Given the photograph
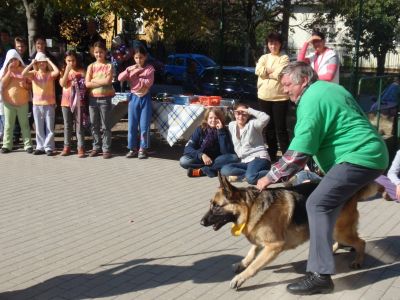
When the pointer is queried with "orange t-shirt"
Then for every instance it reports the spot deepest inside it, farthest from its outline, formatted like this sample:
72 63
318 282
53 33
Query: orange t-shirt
13 93
43 88
66 93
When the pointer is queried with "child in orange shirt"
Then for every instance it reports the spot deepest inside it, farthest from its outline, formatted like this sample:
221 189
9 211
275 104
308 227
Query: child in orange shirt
15 93
44 100
72 82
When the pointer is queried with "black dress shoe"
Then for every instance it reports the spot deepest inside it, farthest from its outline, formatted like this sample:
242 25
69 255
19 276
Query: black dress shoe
313 283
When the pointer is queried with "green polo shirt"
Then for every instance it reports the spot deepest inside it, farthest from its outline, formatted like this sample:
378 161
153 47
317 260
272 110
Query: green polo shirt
332 127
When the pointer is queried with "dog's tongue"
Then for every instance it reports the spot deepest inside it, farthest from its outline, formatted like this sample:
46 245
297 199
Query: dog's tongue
237 229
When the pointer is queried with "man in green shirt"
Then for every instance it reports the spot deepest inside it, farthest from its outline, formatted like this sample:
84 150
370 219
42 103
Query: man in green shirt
331 128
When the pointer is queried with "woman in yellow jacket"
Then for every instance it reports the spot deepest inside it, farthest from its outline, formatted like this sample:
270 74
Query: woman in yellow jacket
272 99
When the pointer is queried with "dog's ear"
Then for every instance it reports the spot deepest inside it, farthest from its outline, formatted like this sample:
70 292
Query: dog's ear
226 186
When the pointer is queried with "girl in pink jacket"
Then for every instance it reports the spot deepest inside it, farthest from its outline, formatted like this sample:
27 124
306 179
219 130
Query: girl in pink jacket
324 60
140 77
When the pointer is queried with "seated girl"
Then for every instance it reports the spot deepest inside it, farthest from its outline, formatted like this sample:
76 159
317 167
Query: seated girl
209 148
391 182
248 141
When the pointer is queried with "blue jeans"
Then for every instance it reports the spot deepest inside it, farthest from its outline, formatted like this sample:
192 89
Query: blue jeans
253 170
139 115
304 176
211 170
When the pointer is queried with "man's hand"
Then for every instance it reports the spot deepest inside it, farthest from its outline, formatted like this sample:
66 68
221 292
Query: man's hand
263 183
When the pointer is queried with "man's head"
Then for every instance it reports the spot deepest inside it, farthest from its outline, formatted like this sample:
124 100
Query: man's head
20 45
295 77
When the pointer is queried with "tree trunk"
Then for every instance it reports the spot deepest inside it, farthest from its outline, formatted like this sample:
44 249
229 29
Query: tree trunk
381 59
285 21
251 29
32 23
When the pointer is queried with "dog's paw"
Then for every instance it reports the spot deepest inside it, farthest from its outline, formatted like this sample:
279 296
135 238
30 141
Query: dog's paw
238 268
237 281
355 265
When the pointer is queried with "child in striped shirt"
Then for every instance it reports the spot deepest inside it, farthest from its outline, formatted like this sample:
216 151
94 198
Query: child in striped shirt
99 82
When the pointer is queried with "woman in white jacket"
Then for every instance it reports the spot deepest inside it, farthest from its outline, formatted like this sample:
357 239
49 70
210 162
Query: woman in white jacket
248 142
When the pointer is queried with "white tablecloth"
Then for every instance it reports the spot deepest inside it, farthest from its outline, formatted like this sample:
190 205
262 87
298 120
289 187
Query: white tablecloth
174 121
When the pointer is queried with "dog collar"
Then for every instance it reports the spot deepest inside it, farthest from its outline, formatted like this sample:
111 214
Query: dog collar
237 229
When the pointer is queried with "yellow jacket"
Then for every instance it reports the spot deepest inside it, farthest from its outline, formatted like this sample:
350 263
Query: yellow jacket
268 85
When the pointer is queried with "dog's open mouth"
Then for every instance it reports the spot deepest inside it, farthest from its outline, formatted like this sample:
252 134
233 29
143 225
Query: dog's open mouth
221 222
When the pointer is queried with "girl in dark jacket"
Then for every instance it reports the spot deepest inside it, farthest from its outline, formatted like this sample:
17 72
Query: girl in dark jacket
209 148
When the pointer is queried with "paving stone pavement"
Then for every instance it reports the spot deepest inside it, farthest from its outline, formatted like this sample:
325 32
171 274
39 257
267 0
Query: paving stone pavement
91 228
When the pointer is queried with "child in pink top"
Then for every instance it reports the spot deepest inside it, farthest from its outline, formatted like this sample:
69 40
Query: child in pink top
44 100
73 83
15 93
141 78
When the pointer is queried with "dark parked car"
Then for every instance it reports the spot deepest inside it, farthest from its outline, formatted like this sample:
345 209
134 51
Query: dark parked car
176 65
239 83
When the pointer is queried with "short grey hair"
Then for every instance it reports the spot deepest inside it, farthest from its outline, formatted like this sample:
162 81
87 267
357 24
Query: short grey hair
298 70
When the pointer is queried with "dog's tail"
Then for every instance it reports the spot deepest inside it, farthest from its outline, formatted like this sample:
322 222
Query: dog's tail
371 189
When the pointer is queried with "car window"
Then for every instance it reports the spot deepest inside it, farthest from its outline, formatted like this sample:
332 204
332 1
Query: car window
179 61
249 78
205 61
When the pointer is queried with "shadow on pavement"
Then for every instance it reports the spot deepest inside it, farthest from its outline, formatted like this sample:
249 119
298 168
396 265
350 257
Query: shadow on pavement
135 275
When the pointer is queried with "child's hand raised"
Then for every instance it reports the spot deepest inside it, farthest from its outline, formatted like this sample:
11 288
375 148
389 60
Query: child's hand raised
219 124
132 68
68 67
10 67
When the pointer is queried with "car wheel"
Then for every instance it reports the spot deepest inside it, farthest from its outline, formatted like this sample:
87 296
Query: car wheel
169 79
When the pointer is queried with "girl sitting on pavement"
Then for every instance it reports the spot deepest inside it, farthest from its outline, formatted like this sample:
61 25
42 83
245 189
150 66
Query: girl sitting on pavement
73 83
15 92
248 141
44 100
209 148
141 78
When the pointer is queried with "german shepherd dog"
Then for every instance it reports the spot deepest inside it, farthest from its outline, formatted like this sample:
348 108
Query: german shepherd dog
275 220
